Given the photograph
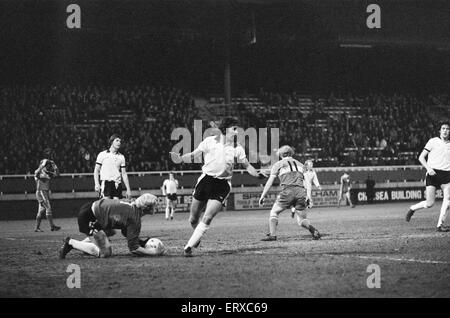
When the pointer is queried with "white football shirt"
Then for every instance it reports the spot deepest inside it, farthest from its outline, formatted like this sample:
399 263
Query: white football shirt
219 158
439 154
170 186
111 165
310 177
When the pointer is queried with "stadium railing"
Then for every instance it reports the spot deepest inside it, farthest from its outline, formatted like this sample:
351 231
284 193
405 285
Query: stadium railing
81 185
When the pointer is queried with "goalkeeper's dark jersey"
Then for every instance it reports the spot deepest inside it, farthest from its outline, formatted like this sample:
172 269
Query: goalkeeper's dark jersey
120 214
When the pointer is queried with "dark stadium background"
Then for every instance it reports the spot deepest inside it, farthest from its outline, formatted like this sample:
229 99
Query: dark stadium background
184 43
312 68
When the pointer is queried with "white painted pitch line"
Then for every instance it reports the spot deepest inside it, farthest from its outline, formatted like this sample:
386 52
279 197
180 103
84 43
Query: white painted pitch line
23 239
395 259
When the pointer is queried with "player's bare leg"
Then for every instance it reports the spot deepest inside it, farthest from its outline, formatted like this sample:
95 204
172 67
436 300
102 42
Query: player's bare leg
303 221
172 208
167 208
39 216
444 209
49 215
212 208
426 204
53 227
341 197
195 212
347 197
273 222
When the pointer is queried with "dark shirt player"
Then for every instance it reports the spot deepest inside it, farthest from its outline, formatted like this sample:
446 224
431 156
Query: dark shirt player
102 217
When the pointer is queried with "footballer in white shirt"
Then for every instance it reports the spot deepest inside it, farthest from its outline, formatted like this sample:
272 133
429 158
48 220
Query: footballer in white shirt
214 185
435 157
169 190
110 171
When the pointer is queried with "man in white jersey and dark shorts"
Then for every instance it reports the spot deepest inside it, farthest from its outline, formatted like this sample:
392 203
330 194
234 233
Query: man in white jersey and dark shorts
438 175
214 185
293 193
310 176
169 190
110 171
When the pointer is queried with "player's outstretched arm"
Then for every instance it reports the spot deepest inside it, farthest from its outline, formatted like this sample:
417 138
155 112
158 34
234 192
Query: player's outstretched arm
183 158
266 188
252 171
142 251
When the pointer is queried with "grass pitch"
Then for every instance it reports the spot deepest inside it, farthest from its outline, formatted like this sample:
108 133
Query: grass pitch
232 262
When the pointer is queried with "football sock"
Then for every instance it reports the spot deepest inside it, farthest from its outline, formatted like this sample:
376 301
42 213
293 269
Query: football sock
273 223
420 205
167 212
38 222
444 211
199 231
311 229
89 248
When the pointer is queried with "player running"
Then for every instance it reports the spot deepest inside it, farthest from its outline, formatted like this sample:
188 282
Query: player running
435 157
42 175
214 185
344 190
99 219
169 190
293 193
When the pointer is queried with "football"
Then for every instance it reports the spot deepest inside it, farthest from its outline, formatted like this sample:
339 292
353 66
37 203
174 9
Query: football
155 246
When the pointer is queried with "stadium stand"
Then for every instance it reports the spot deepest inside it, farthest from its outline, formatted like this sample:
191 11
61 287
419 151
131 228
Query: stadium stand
76 122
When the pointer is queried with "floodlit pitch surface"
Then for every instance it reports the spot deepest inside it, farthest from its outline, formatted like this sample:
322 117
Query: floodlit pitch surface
231 261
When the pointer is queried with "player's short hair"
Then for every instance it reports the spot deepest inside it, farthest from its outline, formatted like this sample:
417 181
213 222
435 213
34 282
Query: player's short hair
228 122
48 152
147 200
309 161
114 137
442 123
285 151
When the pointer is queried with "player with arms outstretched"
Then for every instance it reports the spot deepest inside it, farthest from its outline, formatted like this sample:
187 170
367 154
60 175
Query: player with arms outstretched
435 157
293 193
44 173
214 185
169 190
99 219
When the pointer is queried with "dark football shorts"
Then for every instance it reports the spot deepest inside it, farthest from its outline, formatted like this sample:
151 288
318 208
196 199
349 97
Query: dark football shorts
292 197
86 219
210 188
441 177
172 196
110 190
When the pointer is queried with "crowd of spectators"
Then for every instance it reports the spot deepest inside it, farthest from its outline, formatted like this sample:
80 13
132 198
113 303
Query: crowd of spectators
374 129
63 118
60 117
